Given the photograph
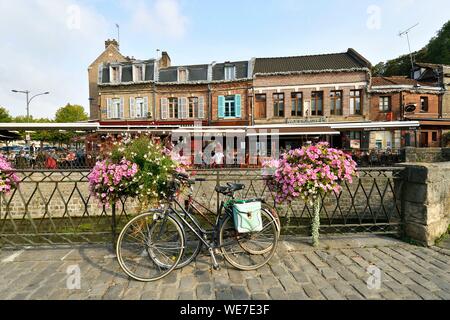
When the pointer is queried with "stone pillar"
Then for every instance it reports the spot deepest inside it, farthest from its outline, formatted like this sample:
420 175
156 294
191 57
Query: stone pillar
426 201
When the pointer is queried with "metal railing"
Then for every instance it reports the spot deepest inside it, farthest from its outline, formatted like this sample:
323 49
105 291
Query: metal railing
55 207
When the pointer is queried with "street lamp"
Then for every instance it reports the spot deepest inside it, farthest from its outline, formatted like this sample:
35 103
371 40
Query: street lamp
27 92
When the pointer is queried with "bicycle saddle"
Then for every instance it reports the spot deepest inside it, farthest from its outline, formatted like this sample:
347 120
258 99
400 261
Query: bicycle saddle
236 186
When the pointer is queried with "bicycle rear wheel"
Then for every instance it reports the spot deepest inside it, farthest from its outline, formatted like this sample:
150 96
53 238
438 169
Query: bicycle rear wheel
149 248
249 251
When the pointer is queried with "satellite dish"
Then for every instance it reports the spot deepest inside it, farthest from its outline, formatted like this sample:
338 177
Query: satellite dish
410 108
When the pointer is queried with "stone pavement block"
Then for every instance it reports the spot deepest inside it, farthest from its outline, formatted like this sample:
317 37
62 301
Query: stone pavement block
150 295
298 296
204 291
114 292
300 276
423 282
365 291
187 283
315 260
312 292
289 284
344 288
168 292
240 293
224 294
260 296
329 274
236 276
186 295
255 285
331 293
422 292
278 294
279 270
270 281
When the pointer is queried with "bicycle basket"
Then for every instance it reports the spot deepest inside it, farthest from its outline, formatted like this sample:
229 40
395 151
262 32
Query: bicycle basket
247 217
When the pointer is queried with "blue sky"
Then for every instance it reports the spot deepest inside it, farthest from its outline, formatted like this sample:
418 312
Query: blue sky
47 45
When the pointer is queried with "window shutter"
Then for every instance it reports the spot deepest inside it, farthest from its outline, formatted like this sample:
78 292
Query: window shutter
132 108
164 108
100 73
201 108
146 113
238 103
221 106
108 108
184 107
121 115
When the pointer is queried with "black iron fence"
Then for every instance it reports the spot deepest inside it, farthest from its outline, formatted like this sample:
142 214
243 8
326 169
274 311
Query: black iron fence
55 207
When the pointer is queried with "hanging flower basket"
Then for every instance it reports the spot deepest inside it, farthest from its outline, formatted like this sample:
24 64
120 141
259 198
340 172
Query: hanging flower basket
136 168
8 179
310 173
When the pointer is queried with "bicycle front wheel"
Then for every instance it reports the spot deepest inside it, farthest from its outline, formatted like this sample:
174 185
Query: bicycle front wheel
150 247
249 251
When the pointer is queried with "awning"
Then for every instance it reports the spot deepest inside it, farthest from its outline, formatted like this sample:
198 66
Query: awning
293 131
376 126
82 126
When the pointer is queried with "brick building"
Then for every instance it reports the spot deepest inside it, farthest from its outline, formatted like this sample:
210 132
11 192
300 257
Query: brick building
403 99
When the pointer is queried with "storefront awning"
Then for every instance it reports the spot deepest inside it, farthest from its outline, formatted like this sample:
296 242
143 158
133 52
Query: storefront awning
293 131
377 126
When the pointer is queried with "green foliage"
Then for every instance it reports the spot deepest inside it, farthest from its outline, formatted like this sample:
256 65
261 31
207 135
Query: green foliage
71 113
4 115
155 166
437 51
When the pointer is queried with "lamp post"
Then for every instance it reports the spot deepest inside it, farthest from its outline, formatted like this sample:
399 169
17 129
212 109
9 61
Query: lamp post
27 93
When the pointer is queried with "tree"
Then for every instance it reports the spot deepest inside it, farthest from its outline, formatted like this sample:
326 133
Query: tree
71 113
4 115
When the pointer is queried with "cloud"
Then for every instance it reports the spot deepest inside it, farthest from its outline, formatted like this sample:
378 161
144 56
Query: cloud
162 17
46 46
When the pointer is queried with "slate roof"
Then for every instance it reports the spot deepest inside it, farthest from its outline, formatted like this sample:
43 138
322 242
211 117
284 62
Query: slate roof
127 71
241 70
195 73
335 61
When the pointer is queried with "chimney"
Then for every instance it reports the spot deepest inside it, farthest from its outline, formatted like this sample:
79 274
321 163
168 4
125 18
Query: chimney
111 42
165 61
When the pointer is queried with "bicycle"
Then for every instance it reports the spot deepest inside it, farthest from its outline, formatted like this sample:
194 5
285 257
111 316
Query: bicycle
161 240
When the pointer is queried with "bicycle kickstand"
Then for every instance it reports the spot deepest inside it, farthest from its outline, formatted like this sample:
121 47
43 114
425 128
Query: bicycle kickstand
216 265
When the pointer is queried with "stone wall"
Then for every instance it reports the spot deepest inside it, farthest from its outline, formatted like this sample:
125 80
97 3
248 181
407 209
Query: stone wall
426 201
426 155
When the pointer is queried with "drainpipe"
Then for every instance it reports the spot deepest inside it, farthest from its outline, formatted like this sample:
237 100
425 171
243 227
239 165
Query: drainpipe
154 101
209 105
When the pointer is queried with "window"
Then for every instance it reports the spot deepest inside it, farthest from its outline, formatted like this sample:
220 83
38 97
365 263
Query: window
355 102
193 107
230 73
317 103
138 73
297 104
260 106
336 103
434 136
173 108
115 74
182 75
115 108
139 108
278 104
385 104
230 107
424 104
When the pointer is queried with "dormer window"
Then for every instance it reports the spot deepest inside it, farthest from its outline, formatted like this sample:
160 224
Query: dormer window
115 74
182 75
138 73
230 72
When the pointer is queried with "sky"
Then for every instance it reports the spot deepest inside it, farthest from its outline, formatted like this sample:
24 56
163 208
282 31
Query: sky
47 45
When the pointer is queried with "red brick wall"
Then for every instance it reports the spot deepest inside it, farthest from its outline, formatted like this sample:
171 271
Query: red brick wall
225 89
408 98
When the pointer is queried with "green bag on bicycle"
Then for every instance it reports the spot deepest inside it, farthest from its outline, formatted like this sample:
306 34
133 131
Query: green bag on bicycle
247 217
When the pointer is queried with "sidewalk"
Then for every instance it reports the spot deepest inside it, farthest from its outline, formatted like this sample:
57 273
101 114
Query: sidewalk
338 270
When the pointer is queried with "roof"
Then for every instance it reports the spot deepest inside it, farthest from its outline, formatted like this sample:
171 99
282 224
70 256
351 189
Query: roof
397 81
195 73
241 70
127 70
335 61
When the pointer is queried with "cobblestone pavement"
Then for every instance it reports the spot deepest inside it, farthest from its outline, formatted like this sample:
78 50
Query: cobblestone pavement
338 270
